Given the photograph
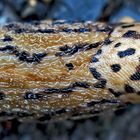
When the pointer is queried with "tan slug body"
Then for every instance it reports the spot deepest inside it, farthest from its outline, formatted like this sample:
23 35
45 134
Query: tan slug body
57 70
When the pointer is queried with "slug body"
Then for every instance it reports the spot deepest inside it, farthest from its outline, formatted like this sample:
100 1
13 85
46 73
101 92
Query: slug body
58 70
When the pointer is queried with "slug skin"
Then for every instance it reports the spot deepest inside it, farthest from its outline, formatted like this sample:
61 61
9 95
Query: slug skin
59 70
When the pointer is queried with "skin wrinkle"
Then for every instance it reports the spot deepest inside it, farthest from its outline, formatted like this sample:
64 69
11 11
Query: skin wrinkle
58 70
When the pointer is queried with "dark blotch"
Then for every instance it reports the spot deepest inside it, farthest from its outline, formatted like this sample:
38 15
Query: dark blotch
132 34
99 52
94 59
135 76
116 94
64 48
67 89
95 73
129 89
81 30
7 48
129 33
100 84
128 52
107 41
117 45
31 95
70 66
128 26
67 30
81 84
23 55
69 50
7 38
91 46
46 31
103 101
115 67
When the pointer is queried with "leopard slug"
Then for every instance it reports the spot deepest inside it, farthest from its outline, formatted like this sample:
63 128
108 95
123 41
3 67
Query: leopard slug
55 70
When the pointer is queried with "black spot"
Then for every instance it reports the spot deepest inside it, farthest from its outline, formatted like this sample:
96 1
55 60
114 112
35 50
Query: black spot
95 73
99 52
135 76
115 67
94 60
64 48
36 57
7 38
22 56
70 66
128 26
129 89
31 95
129 33
100 84
69 50
107 41
128 52
117 45
116 94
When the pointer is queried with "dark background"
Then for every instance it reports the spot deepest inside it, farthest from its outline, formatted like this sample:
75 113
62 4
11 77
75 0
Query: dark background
123 124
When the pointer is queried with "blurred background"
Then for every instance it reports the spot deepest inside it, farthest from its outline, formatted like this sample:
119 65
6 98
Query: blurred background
123 124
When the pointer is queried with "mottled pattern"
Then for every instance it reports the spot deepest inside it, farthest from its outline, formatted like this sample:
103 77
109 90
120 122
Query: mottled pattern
61 70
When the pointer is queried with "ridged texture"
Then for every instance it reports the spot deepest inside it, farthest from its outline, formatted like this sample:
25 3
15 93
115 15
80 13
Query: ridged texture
55 70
